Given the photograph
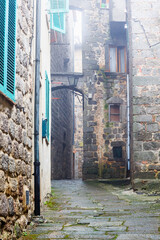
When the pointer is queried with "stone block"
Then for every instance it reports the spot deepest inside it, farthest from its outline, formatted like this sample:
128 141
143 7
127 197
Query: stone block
4 162
143 136
153 127
154 167
13 186
11 210
3 205
11 165
18 166
145 80
145 156
2 181
137 146
151 146
156 136
144 175
142 118
138 127
89 129
15 150
12 129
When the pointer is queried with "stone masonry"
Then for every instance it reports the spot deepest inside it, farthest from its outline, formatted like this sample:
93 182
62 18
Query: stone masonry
103 89
62 135
16 123
145 76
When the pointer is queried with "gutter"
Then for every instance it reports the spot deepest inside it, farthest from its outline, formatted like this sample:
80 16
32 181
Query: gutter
36 111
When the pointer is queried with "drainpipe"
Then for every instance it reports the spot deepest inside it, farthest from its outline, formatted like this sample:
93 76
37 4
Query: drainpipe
36 112
128 96
128 124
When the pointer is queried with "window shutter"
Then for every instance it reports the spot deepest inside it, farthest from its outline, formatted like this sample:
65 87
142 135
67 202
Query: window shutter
59 6
57 22
11 49
7 47
2 42
47 103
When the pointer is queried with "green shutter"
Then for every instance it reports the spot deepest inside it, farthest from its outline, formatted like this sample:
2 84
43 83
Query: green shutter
57 22
7 47
47 102
11 49
2 42
59 6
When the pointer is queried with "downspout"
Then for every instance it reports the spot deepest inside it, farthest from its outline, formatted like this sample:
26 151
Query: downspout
128 125
36 111
128 98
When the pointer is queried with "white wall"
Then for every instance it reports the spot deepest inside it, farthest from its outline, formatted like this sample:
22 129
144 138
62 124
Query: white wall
45 147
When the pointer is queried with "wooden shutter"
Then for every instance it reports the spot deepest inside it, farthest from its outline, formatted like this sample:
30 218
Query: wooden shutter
3 22
59 6
114 113
10 88
57 22
47 102
7 47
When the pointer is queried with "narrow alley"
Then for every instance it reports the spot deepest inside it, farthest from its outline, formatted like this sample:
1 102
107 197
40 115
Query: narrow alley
94 210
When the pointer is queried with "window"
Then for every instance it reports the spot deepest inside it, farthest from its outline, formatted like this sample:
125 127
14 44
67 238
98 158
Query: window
115 113
7 47
117 152
58 9
117 59
47 104
104 3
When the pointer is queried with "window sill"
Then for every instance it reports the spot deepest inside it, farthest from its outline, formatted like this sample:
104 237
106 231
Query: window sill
5 98
114 73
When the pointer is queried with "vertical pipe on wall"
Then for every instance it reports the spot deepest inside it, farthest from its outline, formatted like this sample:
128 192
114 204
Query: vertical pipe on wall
36 111
128 124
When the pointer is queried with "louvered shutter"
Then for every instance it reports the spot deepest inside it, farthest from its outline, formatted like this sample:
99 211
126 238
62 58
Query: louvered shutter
57 22
47 102
7 47
2 43
10 88
59 6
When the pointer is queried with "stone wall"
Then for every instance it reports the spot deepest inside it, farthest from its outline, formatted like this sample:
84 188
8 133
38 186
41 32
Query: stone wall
101 135
144 59
78 137
62 135
16 135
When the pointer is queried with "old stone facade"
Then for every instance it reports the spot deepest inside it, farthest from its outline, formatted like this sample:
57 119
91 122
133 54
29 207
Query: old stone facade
145 82
62 134
105 138
16 124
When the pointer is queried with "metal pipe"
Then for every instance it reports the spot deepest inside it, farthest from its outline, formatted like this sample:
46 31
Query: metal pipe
128 123
36 111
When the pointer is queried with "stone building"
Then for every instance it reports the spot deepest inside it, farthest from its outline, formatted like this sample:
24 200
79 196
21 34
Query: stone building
17 77
120 53
144 45
64 121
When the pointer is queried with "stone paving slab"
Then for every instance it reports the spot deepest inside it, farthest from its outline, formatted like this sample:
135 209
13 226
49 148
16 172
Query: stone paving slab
99 211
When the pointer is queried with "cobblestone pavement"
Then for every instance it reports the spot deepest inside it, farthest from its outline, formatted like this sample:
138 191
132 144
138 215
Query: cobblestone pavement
93 210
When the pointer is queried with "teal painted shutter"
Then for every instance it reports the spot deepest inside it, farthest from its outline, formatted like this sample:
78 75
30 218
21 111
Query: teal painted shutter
59 6
2 42
57 22
7 47
11 49
47 103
